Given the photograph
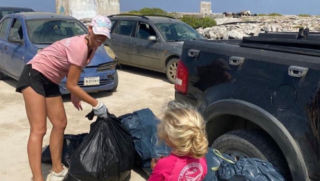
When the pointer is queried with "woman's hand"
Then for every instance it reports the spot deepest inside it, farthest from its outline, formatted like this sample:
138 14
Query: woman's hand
76 102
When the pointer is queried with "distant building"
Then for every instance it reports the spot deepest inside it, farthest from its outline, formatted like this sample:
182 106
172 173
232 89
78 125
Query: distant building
205 8
81 9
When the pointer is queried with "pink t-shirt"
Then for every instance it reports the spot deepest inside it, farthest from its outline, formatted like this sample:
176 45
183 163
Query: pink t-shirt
54 61
176 168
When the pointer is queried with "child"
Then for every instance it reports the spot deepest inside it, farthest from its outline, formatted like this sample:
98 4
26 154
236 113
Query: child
183 130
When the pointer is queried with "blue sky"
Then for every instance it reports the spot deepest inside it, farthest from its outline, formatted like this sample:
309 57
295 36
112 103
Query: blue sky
255 6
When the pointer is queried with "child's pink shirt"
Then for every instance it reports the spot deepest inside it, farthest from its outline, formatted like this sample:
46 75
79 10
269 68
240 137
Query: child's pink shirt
54 61
176 168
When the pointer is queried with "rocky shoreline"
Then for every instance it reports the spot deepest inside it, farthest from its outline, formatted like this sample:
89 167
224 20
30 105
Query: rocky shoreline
237 28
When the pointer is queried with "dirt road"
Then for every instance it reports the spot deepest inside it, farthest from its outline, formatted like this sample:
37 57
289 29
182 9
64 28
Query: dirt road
137 89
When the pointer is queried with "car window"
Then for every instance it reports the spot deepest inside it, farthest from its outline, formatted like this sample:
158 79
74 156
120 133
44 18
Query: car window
125 27
47 31
16 30
178 32
4 26
144 30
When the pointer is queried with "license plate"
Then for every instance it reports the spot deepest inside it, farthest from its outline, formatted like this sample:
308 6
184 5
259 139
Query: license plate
89 81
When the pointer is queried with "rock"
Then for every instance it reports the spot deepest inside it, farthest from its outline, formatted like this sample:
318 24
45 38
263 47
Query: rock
240 28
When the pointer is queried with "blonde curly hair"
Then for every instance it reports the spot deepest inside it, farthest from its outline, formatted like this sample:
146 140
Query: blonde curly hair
183 129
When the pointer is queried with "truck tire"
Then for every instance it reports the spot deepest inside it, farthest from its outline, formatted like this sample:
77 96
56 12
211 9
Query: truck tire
171 69
2 75
252 144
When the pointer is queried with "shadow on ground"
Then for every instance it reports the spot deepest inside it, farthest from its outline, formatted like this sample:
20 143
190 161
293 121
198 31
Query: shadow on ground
143 72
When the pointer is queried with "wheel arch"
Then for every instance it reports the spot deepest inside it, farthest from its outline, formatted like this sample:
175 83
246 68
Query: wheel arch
168 59
230 108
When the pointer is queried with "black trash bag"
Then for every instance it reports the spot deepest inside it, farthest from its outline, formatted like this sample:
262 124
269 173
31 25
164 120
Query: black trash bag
214 159
142 125
107 153
249 169
70 143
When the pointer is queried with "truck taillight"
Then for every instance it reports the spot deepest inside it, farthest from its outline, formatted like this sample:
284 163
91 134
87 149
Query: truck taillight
181 84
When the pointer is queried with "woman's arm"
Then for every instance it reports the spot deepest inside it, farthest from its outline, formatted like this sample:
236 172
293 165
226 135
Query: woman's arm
73 87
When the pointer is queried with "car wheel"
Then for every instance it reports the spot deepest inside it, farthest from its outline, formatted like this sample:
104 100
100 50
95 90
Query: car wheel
116 82
252 144
171 69
2 75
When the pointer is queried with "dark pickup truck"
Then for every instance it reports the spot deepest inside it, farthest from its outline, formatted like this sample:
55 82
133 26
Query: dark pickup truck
260 97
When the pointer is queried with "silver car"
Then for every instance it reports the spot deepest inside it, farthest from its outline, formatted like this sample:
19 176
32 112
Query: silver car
150 42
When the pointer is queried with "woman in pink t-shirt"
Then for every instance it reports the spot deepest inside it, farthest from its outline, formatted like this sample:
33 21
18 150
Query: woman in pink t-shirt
183 130
39 84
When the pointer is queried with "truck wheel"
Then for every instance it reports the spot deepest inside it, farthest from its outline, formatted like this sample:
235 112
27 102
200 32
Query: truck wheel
116 82
1 76
171 69
252 144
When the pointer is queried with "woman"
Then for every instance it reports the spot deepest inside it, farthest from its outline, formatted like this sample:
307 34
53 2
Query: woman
39 84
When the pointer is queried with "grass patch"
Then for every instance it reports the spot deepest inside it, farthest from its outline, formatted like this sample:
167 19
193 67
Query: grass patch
304 15
274 14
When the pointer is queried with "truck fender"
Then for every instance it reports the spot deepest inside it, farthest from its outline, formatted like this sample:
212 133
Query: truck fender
268 123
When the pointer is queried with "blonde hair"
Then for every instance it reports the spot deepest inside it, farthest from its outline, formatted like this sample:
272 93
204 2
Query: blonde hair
183 129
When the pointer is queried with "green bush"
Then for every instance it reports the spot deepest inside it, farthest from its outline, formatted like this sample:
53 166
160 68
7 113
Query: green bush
150 11
298 26
193 21
262 15
304 15
196 22
274 14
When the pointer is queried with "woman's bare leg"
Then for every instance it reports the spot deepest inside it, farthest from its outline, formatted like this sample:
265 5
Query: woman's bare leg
36 111
58 118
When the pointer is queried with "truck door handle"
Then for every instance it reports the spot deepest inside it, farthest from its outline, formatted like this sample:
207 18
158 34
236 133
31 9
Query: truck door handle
5 47
236 61
193 53
295 71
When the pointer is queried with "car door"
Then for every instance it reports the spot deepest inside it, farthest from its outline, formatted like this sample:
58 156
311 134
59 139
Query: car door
14 54
146 53
121 40
4 26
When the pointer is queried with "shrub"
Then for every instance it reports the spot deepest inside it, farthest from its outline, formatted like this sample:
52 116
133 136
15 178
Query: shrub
196 22
150 11
304 15
274 14
193 21
298 26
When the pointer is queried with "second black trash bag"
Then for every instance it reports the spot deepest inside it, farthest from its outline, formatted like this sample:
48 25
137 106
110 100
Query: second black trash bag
107 153
142 125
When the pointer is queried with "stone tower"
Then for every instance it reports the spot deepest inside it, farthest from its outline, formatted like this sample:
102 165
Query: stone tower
81 9
205 8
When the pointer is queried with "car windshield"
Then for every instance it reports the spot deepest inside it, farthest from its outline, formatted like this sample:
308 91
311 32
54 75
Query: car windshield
47 31
178 32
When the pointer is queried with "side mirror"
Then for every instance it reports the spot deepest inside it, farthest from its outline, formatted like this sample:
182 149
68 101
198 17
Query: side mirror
152 38
13 39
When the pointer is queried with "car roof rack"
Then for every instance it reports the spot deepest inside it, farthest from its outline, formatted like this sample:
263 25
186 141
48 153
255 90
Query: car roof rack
143 16
303 42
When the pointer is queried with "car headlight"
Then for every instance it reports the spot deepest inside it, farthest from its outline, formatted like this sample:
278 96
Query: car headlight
107 66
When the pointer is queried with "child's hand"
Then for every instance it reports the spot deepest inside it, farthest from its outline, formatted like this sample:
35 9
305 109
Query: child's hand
154 162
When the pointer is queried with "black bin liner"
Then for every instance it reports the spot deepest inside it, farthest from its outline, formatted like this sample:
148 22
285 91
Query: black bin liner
107 153
214 159
70 144
249 169
142 125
